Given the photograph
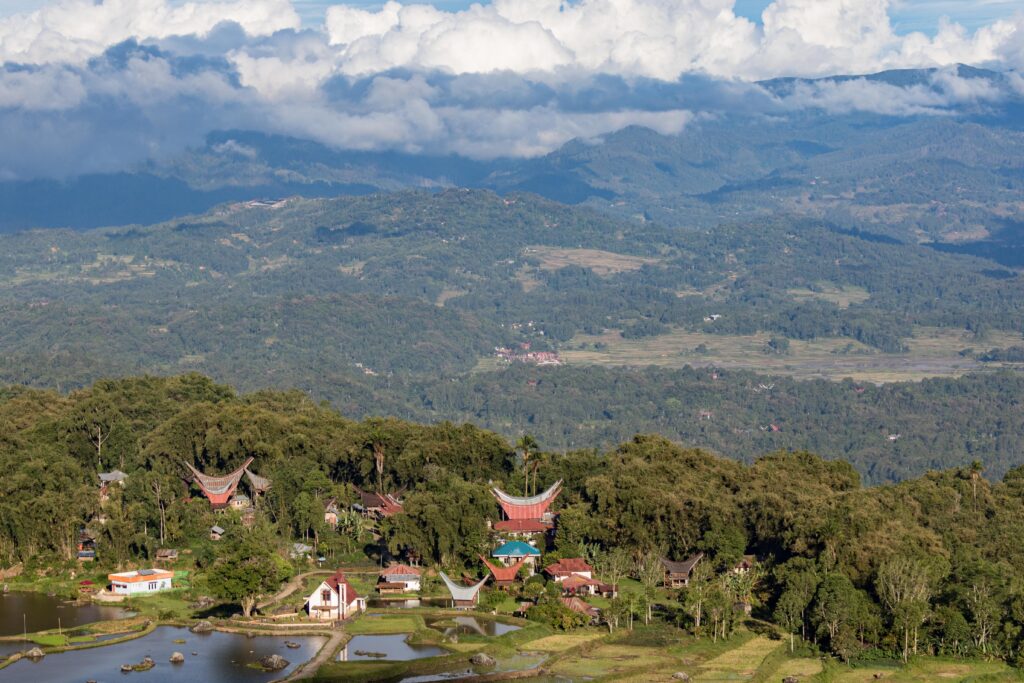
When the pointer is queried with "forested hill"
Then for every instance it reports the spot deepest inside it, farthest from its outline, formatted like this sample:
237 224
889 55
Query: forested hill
394 304
832 553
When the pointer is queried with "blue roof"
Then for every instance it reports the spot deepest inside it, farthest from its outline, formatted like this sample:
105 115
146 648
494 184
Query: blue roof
516 549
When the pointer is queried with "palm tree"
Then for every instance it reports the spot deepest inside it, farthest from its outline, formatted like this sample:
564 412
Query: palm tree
526 445
976 469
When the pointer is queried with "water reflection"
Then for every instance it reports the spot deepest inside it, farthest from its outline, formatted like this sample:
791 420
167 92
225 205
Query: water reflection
220 657
465 626
38 612
386 647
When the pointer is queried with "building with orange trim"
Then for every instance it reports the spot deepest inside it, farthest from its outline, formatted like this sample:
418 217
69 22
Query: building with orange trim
141 582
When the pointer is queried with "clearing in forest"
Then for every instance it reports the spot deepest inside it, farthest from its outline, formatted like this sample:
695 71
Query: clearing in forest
601 262
932 352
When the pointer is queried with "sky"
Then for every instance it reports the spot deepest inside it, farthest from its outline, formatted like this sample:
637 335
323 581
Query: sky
906 15
89 86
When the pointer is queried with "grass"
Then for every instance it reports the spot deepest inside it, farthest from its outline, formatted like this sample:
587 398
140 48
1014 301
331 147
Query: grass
563 641
741 663
922 669
841 296
932 352
386 624
603 263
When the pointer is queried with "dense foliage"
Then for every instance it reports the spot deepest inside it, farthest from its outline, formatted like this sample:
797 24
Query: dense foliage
385 304
929 565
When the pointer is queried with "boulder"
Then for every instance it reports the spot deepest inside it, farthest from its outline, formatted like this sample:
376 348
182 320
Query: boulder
273 662
680 676
482 659
35 653
790 679
127 668
202 627
177 658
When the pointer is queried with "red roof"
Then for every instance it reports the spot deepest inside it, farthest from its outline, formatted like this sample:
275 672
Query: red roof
522 525
577 605
577 581
568 566
504 573
402 570
339 580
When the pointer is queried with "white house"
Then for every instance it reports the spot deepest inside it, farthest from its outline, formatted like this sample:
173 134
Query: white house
141 582
335 599
399 578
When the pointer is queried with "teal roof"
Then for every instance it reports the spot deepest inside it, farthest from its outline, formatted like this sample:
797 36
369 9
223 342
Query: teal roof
516 549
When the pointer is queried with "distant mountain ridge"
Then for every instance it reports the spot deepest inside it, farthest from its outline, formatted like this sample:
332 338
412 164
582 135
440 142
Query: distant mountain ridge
737 163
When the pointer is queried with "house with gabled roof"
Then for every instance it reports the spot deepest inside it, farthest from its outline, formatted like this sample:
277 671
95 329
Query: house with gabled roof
513 551
399 578
335 600
569 566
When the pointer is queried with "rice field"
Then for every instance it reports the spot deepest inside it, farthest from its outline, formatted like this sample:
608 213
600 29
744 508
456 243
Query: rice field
933 352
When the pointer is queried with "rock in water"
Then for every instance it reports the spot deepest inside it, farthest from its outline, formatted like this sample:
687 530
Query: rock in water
126 668
202 627
482 659
35 653
177 658
291 646
273 662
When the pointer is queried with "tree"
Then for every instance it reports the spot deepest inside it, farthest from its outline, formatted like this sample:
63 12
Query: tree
976 469
696 593
248 571
649 571
789 613
905 585
526 446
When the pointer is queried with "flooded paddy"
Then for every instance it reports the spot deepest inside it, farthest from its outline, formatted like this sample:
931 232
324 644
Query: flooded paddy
221 657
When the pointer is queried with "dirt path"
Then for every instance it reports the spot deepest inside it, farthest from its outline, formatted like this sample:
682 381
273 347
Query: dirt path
310 667
293 585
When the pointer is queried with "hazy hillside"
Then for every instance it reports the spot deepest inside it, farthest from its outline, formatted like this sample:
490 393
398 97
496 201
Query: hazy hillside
394 303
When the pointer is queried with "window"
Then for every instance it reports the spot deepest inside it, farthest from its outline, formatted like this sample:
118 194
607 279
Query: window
325 595
152 585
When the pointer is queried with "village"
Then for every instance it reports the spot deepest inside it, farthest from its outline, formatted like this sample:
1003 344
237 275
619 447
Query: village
522 534
522 584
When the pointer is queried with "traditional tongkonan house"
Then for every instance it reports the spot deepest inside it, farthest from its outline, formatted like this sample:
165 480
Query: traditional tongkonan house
677 574
463 597
259 485
218 489
526 515
504 577
335 599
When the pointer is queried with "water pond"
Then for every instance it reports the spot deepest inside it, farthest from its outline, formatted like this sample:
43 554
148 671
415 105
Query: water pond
20 611
465 626
220 657
407 603
392 647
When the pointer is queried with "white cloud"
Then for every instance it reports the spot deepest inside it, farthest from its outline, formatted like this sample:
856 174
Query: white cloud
515 77
75 30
